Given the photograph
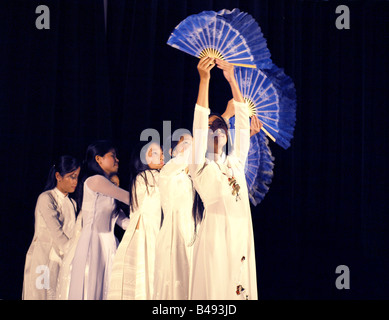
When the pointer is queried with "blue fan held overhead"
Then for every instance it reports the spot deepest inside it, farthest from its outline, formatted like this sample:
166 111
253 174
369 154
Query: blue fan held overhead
271 96
233 36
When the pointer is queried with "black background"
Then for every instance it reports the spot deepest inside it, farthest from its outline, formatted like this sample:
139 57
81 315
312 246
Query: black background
62 88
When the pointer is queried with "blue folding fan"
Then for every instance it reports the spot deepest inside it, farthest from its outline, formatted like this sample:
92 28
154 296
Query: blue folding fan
272 98
259 165
264 175
233 36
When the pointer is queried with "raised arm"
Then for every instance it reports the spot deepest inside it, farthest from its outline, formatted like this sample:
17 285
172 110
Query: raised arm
228 72
242 121
204 68
242 131
229 112
200 120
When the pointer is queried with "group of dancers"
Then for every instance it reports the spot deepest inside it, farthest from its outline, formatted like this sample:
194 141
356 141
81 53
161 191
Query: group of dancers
200 248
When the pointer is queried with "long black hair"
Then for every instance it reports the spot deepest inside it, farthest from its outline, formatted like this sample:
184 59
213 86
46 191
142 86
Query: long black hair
63 165
138 166
197 209
97 148
90 167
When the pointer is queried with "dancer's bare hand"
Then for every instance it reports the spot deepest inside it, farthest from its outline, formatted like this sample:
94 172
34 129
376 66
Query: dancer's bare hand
205 66
228 69
255 125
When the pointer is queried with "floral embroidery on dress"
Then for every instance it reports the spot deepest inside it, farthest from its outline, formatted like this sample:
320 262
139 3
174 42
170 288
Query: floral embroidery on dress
239 288
232 182
235 187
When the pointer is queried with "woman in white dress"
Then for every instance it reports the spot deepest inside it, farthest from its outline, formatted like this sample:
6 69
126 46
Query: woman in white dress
63 283
96 247
175 239
224 257
133 267
55 216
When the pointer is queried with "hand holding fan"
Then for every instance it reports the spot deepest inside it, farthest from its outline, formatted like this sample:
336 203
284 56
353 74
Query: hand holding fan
233 36
272 98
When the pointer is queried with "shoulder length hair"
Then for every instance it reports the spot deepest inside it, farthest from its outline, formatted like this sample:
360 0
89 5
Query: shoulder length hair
63 165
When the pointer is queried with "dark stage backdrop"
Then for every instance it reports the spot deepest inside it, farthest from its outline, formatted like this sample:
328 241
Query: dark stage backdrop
62 88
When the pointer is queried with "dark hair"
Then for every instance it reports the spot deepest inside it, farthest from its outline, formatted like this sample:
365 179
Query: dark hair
197 209
138 165
221 123
97 148
90 166
63 165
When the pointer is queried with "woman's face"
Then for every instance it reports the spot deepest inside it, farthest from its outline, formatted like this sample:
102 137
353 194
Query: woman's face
217 134
184 144
109 162
67 183
154 156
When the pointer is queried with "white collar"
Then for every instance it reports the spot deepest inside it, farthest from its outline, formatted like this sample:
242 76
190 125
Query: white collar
59 193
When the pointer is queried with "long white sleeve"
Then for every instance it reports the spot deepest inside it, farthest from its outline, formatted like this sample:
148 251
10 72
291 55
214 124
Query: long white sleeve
200 139
47 208
102 185
242 131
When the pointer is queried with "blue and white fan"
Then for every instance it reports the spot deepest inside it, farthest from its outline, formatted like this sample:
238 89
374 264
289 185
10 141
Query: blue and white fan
271 96
233 36
264 175
259 165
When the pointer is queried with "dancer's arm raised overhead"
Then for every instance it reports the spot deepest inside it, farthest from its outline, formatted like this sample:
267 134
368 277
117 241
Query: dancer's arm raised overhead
200 121
242 122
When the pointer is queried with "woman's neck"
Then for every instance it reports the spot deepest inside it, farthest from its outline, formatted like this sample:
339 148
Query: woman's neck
61 190
215 155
